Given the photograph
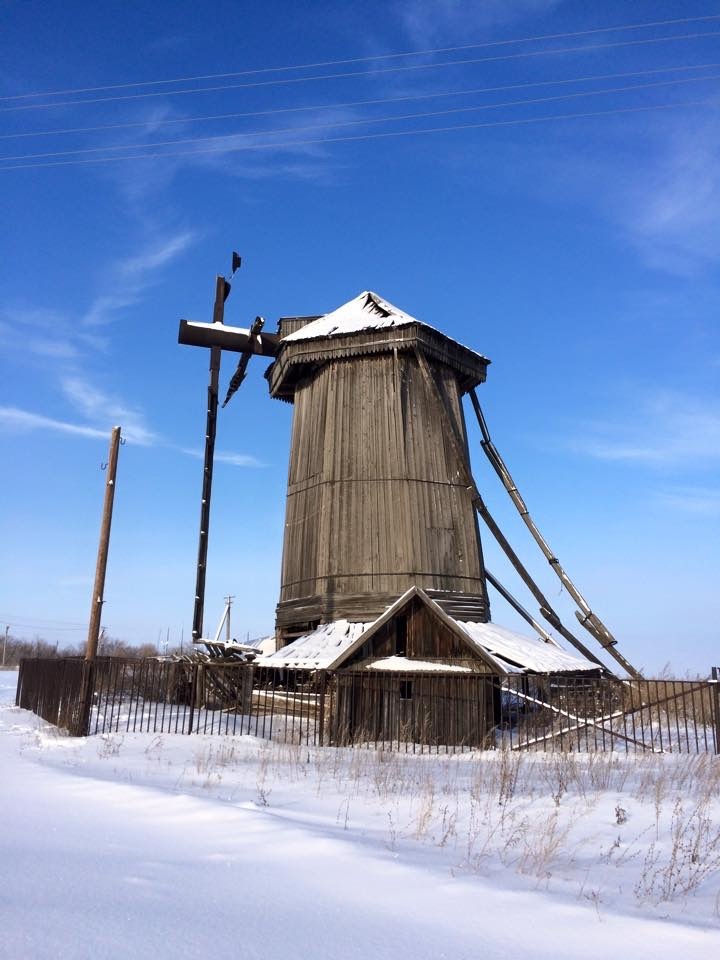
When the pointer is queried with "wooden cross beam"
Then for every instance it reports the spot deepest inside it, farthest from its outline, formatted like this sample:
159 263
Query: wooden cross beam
236 339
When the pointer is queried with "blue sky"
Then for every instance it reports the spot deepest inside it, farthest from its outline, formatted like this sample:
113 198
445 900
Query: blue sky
580 254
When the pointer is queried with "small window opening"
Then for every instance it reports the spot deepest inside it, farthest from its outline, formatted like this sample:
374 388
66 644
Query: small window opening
406 689
401 636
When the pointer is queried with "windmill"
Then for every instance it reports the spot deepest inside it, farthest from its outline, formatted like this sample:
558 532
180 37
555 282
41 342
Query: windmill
381 497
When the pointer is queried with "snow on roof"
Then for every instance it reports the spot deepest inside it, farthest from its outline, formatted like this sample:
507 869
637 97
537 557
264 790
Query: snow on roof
519 653
264 644
405 665
316 650
368 311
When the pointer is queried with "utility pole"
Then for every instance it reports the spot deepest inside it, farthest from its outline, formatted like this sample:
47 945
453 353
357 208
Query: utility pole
99 586
228 601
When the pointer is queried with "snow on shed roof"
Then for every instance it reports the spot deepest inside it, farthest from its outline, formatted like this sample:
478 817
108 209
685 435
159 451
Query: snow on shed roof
519 653
316 650
331 644
407 665
264 644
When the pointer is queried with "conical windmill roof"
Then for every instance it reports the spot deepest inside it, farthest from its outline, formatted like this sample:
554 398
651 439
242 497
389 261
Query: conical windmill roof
368 311
365 325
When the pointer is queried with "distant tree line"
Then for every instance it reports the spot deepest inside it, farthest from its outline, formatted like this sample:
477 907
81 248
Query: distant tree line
17 648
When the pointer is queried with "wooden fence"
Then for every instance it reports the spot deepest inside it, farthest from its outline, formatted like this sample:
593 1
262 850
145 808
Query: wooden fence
414 712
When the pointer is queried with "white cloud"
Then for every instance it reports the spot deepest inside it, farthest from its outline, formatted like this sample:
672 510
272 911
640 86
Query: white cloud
234 459
23 421
664 429
672 208
430 22
238 459
131 277
99 407
703 501
39 331
155 256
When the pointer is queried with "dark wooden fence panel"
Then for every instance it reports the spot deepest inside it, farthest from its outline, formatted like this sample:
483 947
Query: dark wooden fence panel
57 691
416 712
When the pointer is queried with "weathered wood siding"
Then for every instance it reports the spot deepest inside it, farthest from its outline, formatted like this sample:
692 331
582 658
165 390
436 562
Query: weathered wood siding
415 708
417 634
375 504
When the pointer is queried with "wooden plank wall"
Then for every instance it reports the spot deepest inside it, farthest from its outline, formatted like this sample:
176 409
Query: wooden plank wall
387 709
425 638
374 502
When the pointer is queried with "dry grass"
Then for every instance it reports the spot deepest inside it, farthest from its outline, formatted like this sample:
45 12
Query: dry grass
590 824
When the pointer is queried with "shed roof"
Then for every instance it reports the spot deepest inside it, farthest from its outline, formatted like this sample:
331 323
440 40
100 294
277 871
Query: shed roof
330 644
318 649
520 654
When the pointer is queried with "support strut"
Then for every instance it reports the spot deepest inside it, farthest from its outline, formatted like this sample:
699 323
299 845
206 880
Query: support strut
592 623
464 469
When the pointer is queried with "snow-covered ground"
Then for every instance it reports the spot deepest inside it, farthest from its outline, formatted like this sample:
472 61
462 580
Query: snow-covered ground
174 846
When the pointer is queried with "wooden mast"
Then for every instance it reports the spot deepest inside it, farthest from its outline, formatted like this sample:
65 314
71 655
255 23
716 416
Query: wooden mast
222 288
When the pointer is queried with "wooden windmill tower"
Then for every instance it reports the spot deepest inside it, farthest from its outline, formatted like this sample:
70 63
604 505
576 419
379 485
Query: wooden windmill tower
375 501
381 498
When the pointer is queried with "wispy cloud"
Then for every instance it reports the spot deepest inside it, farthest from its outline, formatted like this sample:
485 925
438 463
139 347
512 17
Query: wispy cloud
665 429
130 278
39 331
157 255
64 336
429 22
233 459
24 421
283 154
672 209
110 412
101 408
703 501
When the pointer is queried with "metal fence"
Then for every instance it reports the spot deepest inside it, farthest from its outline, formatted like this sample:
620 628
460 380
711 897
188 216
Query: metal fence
413 712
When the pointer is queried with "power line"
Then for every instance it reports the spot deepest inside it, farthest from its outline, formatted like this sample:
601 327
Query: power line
369 136
47 627
360 122
356 103
368 59
360 73
12 619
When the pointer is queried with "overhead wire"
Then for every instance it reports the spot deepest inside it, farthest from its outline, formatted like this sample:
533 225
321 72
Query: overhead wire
355 103
47 626
363 73
371 58
370 136
360 121
13 620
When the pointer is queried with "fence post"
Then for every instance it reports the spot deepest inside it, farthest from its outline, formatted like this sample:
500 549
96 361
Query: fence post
18 689
716 707
193 687
82 719
321 725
